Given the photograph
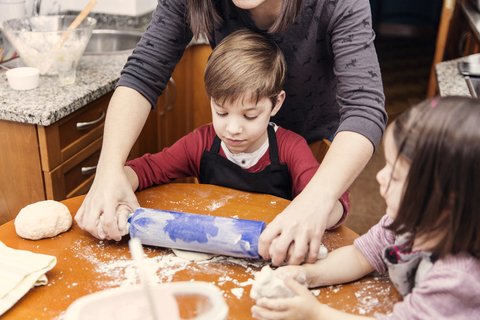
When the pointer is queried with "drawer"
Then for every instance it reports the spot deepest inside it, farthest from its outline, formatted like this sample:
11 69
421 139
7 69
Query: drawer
75 176
66 137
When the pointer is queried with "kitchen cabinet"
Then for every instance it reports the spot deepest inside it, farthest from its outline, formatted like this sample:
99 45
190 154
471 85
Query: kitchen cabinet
185 106
58 161
46 162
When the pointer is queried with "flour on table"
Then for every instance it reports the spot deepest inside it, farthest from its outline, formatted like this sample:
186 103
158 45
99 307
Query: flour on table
192 255
43 219
237 292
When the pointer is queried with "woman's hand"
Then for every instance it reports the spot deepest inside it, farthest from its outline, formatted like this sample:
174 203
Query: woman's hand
112 185
122 214
109 191
315 209
303 306
299 228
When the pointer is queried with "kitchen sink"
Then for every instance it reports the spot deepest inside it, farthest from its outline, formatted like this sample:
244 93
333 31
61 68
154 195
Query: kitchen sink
104 42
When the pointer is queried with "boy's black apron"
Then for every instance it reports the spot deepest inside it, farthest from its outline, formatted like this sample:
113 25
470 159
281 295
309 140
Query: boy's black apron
274 179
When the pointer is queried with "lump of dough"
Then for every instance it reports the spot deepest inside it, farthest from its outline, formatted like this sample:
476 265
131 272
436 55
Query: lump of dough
268 285
43 219
192 255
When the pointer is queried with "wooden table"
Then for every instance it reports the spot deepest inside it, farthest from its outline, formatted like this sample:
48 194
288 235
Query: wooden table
86 265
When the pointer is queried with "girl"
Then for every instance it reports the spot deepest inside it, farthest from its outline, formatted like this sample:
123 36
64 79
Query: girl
429 238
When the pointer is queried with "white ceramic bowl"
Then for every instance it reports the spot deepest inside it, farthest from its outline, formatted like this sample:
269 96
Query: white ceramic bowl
24 78
126 303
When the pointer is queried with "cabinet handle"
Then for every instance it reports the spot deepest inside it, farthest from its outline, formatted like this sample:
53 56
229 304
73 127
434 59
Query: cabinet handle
170 106
165 110
85 125
88 170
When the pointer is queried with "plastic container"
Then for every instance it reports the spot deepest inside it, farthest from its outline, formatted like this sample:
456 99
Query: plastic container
24 78
203 300
34 38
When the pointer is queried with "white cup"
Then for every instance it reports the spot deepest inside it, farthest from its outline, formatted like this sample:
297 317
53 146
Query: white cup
24 78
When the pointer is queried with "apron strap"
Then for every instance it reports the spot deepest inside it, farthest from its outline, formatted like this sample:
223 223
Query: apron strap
272 141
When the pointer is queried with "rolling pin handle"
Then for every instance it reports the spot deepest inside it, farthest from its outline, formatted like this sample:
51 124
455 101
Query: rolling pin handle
128 222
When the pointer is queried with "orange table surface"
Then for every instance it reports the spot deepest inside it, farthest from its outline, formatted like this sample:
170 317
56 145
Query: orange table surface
86 264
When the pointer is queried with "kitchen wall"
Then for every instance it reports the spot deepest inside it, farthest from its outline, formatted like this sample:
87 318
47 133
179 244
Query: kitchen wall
119 7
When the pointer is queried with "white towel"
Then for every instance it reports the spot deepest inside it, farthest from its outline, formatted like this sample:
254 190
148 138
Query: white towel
19 271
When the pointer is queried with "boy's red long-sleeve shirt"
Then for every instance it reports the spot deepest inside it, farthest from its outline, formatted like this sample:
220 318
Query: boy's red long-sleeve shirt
182 160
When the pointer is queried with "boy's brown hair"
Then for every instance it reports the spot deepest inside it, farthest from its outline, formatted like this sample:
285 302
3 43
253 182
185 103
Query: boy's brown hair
245 65
440 138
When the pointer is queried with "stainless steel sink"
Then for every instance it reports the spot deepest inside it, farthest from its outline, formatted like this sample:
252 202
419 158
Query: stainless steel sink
104 42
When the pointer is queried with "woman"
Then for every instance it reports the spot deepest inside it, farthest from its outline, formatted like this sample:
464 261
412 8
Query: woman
333 88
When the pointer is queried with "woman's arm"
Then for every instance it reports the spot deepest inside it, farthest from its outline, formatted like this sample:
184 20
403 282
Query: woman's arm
111 186
306 218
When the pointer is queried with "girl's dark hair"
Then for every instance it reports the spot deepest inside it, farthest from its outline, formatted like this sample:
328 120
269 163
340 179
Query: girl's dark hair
440 138
202 16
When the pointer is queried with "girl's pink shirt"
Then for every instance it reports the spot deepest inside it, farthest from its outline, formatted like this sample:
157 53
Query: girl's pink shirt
450 290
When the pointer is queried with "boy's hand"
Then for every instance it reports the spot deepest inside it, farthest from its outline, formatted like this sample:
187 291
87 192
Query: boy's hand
303 306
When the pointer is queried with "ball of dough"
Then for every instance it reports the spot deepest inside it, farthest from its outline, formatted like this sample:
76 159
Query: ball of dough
268 285
43 219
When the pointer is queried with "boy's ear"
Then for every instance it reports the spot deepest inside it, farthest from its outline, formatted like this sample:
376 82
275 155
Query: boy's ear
278 104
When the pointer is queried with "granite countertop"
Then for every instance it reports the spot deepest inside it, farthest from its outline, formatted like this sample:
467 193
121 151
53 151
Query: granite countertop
49 102
96 76
450 81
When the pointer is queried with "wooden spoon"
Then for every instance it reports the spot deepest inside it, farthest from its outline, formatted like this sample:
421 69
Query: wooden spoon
75 23
49 60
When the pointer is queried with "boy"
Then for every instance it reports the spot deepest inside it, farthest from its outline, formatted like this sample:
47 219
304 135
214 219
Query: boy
241 149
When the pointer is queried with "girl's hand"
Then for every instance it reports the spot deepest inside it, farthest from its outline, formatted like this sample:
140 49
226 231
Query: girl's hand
298 273
303 306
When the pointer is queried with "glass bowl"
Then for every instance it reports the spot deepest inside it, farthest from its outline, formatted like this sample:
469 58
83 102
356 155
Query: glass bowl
37 39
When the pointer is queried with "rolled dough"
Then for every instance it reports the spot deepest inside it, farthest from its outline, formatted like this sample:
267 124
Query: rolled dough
192 255
43 219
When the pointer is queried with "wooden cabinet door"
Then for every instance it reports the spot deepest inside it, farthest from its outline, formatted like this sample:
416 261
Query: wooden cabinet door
202 113
147 141
21 180
184 106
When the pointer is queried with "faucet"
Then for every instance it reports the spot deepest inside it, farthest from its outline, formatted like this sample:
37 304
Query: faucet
36 7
